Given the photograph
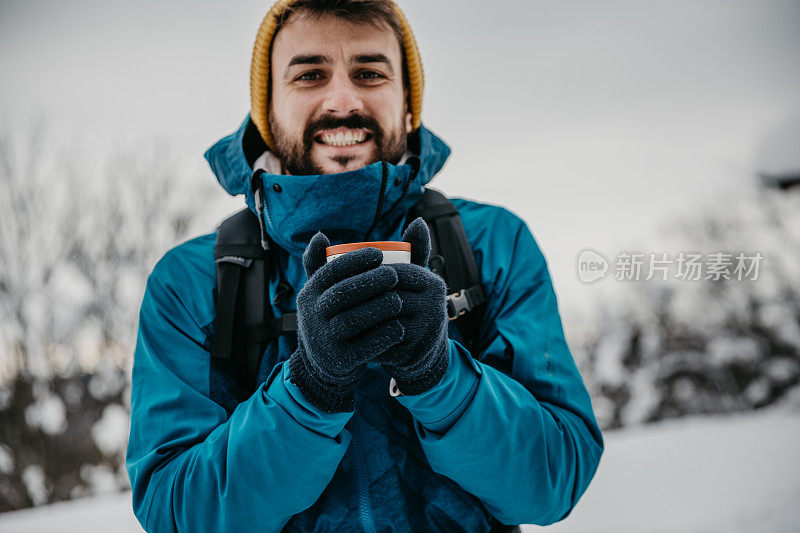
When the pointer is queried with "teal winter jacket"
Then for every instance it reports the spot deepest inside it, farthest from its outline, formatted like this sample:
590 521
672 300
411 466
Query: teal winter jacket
507 437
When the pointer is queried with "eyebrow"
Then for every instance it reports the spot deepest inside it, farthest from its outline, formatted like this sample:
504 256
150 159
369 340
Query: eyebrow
318 59
309 59
373 58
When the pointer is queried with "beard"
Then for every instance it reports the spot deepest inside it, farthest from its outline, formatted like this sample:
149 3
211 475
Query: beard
296 156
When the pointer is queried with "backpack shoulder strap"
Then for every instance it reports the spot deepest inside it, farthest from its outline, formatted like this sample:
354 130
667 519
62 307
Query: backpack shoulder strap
452 258
244 324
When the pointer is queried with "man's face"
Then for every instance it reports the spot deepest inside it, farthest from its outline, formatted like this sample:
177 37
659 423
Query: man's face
338 101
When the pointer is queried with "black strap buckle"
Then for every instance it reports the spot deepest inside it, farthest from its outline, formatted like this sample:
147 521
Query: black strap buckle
457 304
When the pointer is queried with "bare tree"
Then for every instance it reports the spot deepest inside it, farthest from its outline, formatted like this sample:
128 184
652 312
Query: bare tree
78 237
674 348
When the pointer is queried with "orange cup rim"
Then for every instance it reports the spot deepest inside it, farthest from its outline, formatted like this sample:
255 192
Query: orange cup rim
385 246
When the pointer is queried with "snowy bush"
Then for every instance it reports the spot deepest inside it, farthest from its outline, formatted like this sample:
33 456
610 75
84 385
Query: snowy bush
676 347
79 234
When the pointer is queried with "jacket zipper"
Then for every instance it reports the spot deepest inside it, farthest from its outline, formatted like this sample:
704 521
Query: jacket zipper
378 210
363 488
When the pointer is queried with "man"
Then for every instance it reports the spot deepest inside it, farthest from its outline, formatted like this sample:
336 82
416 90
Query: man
464 441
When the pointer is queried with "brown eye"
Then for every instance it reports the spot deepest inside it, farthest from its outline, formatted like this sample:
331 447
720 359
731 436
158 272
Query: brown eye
309 76
369 75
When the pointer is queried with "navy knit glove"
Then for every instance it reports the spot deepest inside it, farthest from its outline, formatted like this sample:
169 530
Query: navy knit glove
345 317
420 360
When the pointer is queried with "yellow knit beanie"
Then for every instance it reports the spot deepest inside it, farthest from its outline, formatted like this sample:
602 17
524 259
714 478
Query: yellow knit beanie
260 70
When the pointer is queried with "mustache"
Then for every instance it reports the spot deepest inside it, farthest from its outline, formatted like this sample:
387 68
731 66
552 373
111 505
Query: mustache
330 122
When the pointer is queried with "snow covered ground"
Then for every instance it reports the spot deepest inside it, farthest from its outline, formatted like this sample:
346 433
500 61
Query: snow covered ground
731 474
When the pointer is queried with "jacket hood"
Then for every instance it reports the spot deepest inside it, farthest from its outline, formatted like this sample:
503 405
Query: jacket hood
367 204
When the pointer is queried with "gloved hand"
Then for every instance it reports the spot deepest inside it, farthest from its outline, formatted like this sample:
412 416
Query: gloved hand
345 317
420 360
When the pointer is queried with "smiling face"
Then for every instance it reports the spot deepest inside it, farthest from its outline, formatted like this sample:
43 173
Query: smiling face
338 102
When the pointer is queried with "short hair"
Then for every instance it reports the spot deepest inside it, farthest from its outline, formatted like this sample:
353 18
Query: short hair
356 11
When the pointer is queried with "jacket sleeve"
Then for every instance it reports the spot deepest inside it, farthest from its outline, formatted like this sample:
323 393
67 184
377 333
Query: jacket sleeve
526 444
191 466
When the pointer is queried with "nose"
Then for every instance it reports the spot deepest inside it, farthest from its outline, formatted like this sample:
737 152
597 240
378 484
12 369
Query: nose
342 97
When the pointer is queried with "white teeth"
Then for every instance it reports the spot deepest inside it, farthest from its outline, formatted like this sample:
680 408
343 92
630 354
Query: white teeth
348 138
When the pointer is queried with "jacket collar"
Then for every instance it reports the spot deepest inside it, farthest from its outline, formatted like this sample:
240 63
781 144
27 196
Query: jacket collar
368 204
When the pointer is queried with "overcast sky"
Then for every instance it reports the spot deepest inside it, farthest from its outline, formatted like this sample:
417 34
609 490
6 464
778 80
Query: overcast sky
598 122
